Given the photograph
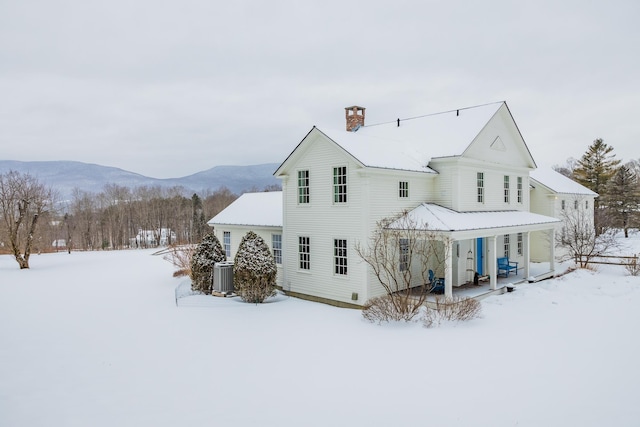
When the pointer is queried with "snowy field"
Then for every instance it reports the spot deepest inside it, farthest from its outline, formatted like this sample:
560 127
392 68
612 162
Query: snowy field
96 339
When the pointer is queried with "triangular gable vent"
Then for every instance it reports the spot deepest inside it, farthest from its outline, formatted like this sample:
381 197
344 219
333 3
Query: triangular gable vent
497 144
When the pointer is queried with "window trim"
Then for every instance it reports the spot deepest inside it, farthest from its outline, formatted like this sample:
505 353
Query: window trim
519 187
403 189
304 256
340 257
403 264
276 248
507 189
304 188
226 243
340 185
480 187
507 245
520 241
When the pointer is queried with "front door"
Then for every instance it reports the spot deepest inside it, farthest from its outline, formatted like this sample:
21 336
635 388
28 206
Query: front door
480 256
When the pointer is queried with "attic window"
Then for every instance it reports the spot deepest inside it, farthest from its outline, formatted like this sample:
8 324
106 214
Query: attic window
498 145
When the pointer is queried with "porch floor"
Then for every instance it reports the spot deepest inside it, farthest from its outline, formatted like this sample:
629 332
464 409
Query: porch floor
538 271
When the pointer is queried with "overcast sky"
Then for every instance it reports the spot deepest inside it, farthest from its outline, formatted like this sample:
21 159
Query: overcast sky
170 88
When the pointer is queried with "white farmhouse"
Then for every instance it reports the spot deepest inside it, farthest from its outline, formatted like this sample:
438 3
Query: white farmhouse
464 172
153 238
553 194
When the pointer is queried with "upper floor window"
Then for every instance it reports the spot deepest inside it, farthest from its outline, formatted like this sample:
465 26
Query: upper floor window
340 184
575 204
340 256
276 244
303 186
403 189
562 204
480 185
304 252
507 245
586 204
226 241
506 189
519 189
404 254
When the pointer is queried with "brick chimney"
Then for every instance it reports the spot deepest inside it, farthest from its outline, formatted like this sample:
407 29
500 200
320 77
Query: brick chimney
355 117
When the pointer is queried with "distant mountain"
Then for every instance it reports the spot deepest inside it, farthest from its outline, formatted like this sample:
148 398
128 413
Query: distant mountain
64 176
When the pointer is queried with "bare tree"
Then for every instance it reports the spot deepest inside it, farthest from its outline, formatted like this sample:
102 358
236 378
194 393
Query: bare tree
579 238
23 201
400 253
623 197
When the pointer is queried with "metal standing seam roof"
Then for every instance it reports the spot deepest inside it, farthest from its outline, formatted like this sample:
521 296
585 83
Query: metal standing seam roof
559 183
438 218
415 141
257 209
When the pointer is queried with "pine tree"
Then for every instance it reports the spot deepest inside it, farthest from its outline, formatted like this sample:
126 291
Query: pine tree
623 196
254 269
198 221
204 258
596 166
594 170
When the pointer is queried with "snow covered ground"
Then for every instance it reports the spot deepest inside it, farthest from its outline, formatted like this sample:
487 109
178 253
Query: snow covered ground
96 339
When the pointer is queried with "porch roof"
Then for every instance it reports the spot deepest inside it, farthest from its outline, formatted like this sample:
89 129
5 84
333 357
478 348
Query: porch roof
431 217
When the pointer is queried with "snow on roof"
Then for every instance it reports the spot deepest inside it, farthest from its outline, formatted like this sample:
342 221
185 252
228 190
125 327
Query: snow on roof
559 183
261 209
417 140
439 218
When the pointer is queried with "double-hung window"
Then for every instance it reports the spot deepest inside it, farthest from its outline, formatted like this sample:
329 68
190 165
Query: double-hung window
520 247
304 252
303 186
480 185
519 189
226 241
340 256
340 184
276 244
404 254
403 189
506 189
507 245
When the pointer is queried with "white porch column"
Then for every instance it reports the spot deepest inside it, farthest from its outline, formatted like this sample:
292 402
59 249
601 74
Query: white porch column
492 262
552 249
448 270
526 253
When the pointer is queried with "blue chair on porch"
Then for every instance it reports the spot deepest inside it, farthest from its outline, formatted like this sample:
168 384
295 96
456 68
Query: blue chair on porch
437 284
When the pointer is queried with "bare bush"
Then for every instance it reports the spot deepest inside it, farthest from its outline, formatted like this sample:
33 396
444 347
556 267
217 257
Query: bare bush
451 309
579 237
632 266
180 257
400 253
387 308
